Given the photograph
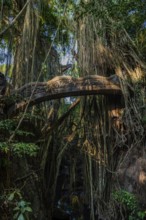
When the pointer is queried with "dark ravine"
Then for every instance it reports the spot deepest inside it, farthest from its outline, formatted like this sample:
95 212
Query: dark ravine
59 87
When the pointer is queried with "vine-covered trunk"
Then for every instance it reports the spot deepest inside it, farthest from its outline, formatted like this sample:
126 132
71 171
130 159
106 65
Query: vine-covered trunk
113 131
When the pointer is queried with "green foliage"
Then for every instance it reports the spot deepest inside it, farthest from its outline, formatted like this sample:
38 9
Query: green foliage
126 198
22 210
129 201
10 125
19 149
7 3
118 15
7 124
14 200
50 16
4 147
22 148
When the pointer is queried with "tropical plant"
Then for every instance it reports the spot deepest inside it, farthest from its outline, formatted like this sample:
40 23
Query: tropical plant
130 203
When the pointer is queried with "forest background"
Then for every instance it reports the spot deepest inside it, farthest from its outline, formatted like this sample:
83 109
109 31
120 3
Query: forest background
81 157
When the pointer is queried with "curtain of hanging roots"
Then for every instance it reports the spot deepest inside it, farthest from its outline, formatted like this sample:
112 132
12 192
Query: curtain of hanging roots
25 52
99 154
113 127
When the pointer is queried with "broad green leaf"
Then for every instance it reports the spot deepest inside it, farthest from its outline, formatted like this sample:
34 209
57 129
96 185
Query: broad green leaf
28 209
21 217
22 203
11 197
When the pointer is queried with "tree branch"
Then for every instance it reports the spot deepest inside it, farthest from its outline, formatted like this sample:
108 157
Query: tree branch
62 86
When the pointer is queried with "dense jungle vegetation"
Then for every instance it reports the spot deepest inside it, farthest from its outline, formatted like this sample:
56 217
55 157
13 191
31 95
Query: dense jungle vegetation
74 146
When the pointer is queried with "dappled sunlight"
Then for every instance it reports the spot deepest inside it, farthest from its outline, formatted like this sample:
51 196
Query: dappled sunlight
142 177
137 74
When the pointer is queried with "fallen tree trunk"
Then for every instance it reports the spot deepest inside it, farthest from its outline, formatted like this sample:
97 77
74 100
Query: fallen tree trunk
62 86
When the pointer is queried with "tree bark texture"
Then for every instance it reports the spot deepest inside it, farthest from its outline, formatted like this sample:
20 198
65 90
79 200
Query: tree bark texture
59 87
